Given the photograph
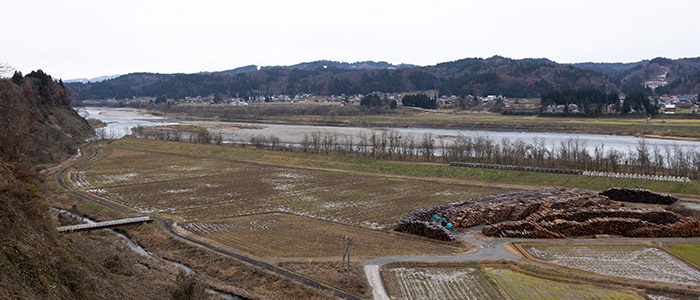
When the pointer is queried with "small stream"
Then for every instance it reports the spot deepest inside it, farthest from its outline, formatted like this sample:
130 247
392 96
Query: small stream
139 250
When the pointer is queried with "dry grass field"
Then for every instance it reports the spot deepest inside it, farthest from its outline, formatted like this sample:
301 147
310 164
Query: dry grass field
521 286
624 260
330 272
288 236
395 168
193 188
459 283
118 167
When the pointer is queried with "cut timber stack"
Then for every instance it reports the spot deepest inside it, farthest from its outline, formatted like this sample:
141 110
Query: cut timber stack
638 196
427 229
558 213
419 222
519 205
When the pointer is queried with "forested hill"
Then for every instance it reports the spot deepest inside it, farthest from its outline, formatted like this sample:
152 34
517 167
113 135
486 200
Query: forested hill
609 68
38 126
37 119
475 76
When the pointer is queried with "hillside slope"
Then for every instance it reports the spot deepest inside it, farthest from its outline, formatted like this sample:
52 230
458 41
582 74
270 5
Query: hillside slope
681 76
39 126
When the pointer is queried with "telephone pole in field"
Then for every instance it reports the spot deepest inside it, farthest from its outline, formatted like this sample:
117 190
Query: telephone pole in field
345 268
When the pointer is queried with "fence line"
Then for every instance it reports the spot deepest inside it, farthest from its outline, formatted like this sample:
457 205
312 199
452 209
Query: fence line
573 172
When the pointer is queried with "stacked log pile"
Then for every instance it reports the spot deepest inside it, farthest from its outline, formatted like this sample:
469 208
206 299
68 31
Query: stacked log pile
557 213
560 228
419 222
519 205
579 214
427 229
638 196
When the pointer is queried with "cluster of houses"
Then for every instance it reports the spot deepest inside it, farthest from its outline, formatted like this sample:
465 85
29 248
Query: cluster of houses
671 104
667 104
343 99
301 98
570 108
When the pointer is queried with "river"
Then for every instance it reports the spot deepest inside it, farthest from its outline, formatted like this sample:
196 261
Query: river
121 120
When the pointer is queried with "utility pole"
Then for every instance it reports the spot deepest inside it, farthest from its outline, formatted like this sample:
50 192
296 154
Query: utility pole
345 268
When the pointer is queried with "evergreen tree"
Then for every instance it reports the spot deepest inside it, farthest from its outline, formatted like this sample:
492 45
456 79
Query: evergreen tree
393 104
420 100
217 99
625 106
372 100
17 78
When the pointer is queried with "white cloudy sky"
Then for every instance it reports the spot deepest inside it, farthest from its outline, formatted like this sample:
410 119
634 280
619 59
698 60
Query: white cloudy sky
71 39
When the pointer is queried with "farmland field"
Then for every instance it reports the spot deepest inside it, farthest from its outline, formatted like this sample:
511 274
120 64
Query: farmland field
439 283
691 252
285 235
126 167
195 188
522 286
624 260
393 168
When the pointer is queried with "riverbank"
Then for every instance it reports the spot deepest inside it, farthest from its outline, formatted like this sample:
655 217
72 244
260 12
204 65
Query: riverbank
661 127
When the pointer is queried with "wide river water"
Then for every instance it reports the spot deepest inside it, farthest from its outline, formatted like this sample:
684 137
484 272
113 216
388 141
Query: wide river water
121 120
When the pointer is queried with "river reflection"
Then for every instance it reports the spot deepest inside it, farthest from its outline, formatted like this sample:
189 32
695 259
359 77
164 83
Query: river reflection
121 120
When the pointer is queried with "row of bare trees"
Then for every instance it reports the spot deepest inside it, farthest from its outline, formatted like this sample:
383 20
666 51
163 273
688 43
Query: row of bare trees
192 135
390 145
569 154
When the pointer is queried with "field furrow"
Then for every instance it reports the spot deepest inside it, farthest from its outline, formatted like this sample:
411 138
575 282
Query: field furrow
196 188
624 260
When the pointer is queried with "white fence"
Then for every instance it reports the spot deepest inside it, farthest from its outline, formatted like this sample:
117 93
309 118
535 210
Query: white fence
572 171
105 224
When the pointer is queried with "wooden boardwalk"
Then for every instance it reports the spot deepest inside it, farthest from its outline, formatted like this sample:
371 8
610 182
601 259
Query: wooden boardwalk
103 225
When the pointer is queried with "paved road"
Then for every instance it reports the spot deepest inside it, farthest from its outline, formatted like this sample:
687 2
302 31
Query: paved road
168 224
489 248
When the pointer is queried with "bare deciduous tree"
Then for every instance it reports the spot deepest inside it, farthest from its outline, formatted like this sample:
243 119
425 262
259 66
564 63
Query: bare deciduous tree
6 70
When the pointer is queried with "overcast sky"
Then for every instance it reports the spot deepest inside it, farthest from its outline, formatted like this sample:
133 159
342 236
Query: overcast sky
72 39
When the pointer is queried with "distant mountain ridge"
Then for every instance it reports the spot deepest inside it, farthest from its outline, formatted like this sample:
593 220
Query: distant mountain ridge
360 65
94 79
529 77
609 68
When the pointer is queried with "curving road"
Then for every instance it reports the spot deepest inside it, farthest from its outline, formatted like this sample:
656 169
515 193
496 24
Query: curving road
492 248
168 224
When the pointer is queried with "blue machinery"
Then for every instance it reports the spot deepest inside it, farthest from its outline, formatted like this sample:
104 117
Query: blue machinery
442 221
